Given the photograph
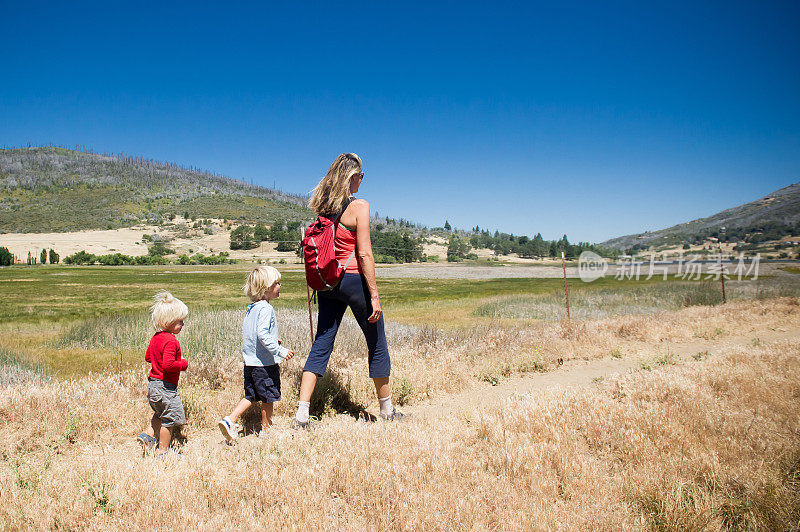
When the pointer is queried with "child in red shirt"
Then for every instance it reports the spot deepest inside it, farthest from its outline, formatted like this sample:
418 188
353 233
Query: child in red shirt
164 355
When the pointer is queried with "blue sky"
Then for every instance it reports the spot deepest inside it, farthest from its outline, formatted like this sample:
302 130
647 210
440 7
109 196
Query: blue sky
587 118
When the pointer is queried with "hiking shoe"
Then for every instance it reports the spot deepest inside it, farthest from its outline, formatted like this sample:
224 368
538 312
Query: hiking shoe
396 415
228 428
301 425
146 441
169 453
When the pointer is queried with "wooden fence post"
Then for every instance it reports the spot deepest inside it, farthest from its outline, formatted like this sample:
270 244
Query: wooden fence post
566 290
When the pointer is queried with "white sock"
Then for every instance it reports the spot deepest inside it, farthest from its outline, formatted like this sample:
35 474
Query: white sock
302 411
386 406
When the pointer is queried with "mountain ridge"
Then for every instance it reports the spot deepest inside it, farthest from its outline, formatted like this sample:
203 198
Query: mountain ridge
779 208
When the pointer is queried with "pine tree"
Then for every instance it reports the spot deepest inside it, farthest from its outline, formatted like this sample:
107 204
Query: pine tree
43 256
54 258
447 226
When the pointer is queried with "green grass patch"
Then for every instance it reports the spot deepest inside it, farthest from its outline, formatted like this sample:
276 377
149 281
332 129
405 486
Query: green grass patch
46 293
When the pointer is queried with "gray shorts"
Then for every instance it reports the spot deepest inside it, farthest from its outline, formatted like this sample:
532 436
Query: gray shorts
165 402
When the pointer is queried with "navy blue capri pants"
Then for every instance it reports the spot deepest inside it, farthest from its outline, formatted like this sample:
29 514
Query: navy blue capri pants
351 292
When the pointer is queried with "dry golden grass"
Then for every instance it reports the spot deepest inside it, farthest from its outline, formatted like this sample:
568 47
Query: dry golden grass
699 445
430 359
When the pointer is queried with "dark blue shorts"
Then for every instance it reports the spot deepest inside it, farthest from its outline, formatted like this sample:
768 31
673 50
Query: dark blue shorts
351 292
262 383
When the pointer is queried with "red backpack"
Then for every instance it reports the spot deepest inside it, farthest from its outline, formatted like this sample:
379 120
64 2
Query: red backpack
323 271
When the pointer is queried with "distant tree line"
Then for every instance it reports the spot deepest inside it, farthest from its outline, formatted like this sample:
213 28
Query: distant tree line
389 246
198 258
395 246
114 259
285 233
7 258
120 259
536 247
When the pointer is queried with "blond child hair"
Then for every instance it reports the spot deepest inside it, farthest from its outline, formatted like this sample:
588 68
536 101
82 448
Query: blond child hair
166 310
259 282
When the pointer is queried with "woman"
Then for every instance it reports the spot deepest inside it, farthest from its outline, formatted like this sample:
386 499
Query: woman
357 289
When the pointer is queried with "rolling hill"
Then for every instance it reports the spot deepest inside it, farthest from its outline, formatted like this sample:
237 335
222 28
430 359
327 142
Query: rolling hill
49 189
777 213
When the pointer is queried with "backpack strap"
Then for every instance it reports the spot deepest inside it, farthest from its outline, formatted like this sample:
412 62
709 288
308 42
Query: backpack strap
336 225
353 254
339 216
344 208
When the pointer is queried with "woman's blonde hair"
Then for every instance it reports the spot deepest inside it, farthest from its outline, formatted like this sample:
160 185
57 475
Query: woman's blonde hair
260 281
329 195
166 310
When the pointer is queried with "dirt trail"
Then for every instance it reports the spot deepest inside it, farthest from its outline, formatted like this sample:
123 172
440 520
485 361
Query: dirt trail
582 373
573 373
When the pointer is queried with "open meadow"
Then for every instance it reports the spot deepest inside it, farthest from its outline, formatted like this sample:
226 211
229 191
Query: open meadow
654 407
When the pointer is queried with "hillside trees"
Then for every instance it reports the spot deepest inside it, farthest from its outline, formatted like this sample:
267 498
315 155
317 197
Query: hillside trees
159 249
260 233
457 248
51 187
395 246
242 238
286 234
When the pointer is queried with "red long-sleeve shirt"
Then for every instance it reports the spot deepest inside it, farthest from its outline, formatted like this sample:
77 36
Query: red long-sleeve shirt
164 354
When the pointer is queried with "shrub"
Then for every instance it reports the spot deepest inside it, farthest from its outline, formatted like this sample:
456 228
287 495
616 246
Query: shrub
150 259
385 259
222 258
159 249
80 257
116 259
6 258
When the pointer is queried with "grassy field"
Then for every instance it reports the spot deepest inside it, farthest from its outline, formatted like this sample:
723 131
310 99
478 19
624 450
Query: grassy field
72 320
707 443
66 293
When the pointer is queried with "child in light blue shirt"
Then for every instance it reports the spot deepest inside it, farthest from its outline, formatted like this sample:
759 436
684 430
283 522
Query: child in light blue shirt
261 350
